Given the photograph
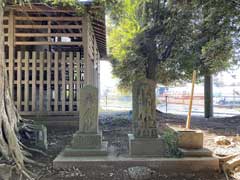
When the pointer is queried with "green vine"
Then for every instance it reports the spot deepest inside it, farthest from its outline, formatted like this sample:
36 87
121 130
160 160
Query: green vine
170 138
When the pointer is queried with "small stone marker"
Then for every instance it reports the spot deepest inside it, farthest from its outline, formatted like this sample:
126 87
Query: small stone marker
145 141
88 140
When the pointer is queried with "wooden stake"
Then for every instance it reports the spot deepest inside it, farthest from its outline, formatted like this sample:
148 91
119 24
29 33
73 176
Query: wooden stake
191 101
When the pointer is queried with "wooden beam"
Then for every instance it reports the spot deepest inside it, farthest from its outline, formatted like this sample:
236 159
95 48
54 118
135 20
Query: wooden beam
22 26
49 18
32 43
48 34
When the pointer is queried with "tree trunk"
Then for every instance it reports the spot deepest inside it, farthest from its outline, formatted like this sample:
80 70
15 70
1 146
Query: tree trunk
9 118
208 96
151 69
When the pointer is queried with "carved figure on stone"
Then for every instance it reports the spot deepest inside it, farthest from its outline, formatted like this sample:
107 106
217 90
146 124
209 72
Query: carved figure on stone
144 109
88 110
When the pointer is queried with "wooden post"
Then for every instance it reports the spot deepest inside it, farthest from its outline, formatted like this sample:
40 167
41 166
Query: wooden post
11 40
34 59
49 90
78 77
71 82
85 34
56 81
41 93
63 81
188 124
19 79
26 90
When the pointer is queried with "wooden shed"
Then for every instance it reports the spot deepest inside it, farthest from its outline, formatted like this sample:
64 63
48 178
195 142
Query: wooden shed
51 53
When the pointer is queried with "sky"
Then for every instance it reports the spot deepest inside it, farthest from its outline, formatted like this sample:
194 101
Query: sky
108 82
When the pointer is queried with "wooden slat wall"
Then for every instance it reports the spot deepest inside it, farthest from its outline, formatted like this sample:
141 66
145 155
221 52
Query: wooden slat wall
39 96
40 62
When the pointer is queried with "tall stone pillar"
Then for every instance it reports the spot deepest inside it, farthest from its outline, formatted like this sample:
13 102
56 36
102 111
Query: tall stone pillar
87 141
145 140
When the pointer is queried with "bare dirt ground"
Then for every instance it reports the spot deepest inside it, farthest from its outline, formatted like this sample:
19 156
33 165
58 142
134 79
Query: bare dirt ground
115 128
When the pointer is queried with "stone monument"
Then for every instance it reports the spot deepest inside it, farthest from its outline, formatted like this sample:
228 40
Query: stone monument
88 140
145 140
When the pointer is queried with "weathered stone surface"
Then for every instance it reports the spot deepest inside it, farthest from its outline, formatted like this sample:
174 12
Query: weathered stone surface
88 110
73 152
86 141
146 147
163 165
144 109
196 152
190 139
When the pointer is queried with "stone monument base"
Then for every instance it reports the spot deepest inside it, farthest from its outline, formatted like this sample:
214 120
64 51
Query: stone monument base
86 144
146 147
72 152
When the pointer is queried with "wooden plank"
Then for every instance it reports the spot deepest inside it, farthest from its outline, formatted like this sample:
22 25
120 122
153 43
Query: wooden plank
37 8
41 92
49 18
56 81
31 43
21 26
78 78
19 79
47 34
63 81
34 59
49 90
11 53
26 90
71 81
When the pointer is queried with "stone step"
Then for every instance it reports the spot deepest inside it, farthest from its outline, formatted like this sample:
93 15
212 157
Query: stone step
193 164
204 152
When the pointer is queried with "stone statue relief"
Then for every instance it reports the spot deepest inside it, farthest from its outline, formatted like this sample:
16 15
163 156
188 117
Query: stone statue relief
144 109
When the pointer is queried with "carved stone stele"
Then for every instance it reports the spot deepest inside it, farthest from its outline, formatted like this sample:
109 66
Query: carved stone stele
88 110
144 109
87 141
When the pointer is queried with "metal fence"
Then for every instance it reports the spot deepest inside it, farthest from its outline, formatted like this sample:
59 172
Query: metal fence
223 105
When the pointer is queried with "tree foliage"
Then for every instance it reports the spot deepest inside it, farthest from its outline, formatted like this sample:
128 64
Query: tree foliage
174 38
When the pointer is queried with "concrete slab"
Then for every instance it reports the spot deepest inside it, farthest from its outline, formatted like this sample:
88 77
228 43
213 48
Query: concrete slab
204 152
160 164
